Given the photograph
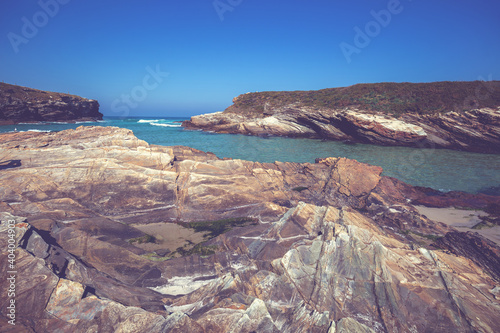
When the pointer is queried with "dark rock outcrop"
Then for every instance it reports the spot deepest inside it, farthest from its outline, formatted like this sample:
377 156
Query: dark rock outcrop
21 104
330 249
414 115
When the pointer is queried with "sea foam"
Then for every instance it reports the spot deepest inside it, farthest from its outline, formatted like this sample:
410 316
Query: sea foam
148 121
165 125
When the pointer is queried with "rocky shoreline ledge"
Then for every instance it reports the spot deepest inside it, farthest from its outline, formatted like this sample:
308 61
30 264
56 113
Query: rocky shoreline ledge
454 115
25 105
331 246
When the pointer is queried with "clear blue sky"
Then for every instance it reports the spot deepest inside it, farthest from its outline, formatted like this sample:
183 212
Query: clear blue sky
101 49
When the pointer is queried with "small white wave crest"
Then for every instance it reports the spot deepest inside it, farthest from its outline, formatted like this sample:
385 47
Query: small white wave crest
148 121
165 125
36 130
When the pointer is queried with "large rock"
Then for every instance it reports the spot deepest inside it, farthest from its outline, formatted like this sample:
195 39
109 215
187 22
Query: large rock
22 105
332 246
476 130
429 115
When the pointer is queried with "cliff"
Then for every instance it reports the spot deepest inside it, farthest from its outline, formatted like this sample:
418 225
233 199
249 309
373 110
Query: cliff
20 104
114 234
454 115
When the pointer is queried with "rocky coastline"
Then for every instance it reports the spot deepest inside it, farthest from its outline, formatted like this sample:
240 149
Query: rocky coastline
331 246
474 127
26 105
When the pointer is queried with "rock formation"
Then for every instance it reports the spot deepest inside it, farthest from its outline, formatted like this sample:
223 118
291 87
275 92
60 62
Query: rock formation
331 246
352 114
24 105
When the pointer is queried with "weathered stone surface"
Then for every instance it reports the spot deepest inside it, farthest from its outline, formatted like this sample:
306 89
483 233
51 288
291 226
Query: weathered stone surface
21 104
484 252
335 247
475 130
346 325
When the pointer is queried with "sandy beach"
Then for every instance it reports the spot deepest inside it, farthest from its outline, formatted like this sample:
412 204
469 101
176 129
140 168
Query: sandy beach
461 219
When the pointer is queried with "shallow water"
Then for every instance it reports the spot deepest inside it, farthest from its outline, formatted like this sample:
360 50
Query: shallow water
437 168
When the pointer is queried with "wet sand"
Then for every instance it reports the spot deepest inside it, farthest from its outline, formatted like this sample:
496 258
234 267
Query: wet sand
168 235
462 220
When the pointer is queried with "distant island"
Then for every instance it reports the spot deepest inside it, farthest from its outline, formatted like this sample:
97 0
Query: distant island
23 105
454 115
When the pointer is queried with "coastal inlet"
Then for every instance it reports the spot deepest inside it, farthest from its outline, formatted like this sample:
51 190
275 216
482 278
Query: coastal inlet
440 169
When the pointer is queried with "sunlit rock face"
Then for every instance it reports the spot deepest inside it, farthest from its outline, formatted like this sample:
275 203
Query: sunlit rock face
21 105
475 130
332 246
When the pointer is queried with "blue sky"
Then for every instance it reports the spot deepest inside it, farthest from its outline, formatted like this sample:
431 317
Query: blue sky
216 50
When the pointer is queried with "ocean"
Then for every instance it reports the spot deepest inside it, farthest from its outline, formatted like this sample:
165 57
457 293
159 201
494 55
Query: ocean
441 169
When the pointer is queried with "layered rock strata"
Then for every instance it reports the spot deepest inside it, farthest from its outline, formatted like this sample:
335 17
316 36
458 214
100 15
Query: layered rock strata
24 105
335 246
476 130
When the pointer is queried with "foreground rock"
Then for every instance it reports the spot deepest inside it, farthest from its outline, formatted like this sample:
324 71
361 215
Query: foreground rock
463 121
24 105
333 246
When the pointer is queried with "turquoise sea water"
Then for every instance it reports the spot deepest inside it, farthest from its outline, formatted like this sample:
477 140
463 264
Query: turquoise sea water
440 169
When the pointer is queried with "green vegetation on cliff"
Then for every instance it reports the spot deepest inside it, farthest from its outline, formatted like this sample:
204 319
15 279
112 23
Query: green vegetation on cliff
392 98
29 94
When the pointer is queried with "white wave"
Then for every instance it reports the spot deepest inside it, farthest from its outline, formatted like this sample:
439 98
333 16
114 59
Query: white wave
165 125
87 122
148 121
35 130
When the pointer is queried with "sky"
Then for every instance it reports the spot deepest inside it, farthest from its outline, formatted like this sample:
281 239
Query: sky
182 58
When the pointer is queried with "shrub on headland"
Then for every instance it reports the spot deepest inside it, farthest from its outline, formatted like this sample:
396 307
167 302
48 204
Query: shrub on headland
389 97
